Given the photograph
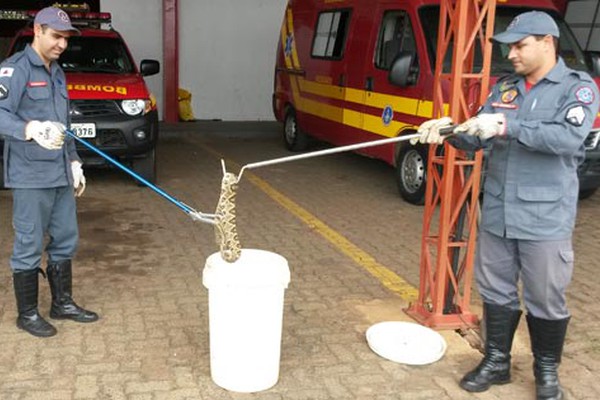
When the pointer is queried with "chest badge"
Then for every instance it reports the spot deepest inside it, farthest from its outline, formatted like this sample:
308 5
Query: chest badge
506 85
37 84
509 96
505 106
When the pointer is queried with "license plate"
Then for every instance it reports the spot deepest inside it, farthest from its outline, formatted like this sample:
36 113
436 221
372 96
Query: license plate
87 130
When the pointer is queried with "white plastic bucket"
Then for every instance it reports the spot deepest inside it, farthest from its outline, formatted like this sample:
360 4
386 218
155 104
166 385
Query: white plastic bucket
245 309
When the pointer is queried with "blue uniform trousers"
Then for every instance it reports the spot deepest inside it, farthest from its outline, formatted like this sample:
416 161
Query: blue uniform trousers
37 212
544 266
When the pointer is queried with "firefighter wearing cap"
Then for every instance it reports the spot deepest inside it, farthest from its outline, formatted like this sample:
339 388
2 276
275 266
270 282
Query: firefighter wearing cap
534 123
43 170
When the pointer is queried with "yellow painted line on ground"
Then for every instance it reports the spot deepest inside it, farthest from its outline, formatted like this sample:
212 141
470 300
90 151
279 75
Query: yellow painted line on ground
387 277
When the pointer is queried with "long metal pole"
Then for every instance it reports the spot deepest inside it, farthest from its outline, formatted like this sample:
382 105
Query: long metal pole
196 215
327 151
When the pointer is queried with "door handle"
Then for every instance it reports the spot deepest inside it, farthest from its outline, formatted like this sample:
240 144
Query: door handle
342 80
369 83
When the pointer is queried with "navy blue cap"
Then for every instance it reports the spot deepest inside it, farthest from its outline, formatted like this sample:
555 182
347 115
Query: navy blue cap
56 19
530 23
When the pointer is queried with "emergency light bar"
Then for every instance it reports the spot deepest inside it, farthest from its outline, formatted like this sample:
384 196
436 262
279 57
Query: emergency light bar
79 14
69 7
79 17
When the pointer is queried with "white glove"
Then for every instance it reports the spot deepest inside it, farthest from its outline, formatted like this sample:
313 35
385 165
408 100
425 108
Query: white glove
50 135
484 125
430 131
78 178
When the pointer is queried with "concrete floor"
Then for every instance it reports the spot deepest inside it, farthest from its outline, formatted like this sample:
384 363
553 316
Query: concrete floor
341 225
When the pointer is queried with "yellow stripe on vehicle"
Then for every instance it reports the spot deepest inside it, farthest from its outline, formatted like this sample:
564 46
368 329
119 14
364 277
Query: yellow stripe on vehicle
408 105
290 18
284 34
373 124
355 95
298 100
323 87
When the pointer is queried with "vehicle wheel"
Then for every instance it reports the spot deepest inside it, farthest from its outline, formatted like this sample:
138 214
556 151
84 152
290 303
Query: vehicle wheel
411 171
293 137
584 194
146 167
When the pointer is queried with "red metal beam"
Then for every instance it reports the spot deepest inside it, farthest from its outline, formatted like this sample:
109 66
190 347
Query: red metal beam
451 199
170 60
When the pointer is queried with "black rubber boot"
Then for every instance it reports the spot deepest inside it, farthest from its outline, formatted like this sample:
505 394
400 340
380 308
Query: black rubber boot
547 340
63 306
501 324
26 292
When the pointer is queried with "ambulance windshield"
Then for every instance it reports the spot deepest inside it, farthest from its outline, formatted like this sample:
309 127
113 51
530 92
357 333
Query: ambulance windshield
91 55
569 49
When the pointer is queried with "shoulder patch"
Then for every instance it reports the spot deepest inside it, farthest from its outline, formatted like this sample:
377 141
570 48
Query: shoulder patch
3 92
585 95
507 85
6 72
507 82
575 116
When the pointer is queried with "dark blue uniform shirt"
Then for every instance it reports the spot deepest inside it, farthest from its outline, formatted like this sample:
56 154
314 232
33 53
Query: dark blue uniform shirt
28 91
531 185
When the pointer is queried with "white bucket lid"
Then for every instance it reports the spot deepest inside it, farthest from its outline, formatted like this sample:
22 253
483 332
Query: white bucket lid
406 342
254 268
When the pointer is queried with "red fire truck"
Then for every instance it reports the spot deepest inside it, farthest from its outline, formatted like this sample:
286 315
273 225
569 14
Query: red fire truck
333 82
111 106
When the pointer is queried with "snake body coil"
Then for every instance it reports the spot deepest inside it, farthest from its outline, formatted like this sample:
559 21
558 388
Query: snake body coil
225 226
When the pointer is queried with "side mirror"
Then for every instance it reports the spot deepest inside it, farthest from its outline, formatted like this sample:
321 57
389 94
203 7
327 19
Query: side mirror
593 60
403 72
149 67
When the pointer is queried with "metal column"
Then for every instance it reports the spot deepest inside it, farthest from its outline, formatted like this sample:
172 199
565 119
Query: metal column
451 200
170 60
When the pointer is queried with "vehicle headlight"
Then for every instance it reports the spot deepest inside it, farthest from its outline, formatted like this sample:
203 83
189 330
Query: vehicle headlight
133 107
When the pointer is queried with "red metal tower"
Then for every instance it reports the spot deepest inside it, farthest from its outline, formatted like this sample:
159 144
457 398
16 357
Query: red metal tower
451 202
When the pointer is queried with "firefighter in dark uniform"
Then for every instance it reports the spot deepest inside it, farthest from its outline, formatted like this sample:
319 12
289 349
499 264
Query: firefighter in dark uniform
534 124
43 170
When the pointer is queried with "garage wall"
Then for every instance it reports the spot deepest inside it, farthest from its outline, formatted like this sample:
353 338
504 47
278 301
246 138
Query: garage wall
227 51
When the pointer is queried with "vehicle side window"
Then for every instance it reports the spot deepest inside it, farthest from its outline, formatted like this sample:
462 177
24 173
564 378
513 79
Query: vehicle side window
395 35
430 18
330 34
